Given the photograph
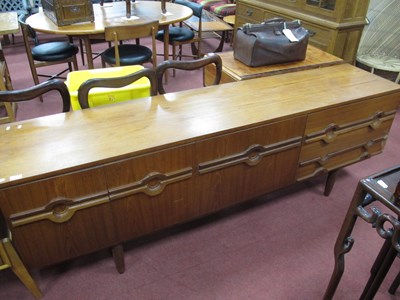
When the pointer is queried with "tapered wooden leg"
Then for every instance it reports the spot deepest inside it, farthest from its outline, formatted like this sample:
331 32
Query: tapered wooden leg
13 261
330 181
118 255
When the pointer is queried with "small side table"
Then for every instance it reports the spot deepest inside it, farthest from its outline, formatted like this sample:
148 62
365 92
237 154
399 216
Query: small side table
383 187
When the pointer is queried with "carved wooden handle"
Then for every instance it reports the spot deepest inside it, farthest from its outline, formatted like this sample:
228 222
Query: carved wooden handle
152 184
330 133
58 211
251 156
249 12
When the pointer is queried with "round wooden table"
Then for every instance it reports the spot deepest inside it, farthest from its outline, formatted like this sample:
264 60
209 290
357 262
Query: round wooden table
114 14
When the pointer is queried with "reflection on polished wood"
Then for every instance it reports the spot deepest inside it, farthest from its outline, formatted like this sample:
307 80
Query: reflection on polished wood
113 14
125 170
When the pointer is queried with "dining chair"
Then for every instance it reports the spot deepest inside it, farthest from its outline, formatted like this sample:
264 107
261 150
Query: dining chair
130 54
115 82
94 39
5 84
188 65
185 33
16 96
48 53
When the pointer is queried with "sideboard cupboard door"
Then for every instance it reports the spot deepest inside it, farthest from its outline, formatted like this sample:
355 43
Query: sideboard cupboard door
152 191
60 217
246 164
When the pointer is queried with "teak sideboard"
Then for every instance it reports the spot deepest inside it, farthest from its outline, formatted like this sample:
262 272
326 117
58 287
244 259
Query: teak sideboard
74 183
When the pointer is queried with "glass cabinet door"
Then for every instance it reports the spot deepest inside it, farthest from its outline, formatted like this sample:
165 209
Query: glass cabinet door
324 4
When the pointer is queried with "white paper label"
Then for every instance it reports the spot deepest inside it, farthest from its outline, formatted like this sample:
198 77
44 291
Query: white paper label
289 34
382 184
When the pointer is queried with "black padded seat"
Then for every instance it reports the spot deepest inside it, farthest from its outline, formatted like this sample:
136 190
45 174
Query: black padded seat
130 54
184 33
54 51
176 34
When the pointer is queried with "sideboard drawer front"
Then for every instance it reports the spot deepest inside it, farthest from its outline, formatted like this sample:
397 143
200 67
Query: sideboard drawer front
248 163
50 219
249 13
342 136
151 192
322 147
308 169
349 115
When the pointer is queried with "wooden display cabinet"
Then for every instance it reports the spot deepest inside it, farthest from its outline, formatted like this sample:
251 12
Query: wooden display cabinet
335 25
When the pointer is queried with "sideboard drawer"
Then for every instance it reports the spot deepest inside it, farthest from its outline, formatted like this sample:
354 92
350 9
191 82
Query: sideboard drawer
152 191
248 163
362 136
333 161
341 136
48 221
368 111
249 14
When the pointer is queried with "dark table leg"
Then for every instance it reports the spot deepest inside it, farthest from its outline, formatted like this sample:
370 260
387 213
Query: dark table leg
384 268
395 284
221 42
377 265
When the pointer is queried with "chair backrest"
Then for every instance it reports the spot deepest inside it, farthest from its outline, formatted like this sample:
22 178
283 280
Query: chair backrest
115 82
27 30
197 8
210 58
197 11
38 90
132 31
28 33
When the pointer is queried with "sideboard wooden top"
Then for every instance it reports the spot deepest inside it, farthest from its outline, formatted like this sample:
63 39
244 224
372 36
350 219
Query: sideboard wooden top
50 145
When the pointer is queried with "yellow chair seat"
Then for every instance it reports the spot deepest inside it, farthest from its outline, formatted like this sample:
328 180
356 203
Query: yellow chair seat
103 96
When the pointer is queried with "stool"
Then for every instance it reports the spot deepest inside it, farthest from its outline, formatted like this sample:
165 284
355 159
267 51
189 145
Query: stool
383 187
